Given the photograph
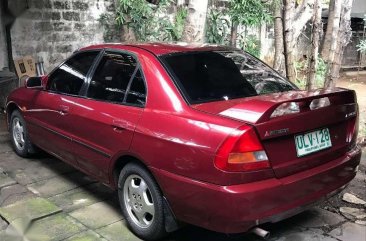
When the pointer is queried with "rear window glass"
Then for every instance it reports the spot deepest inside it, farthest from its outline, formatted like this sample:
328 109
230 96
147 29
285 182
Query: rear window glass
214 76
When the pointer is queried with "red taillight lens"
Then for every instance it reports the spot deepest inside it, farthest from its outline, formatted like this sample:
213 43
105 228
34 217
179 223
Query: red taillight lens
242 151
352 131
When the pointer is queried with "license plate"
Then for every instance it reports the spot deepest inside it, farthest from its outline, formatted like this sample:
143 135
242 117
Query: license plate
312 142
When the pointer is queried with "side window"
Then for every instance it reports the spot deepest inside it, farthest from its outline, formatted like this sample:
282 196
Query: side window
70 76
137 93
112 77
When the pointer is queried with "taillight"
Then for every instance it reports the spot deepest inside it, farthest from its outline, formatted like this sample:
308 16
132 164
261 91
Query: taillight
242 151
352 131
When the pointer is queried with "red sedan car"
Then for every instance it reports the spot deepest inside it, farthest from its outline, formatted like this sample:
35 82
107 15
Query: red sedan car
204 135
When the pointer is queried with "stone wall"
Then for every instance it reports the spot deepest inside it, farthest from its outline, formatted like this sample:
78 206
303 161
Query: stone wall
3 48
52 29
359 8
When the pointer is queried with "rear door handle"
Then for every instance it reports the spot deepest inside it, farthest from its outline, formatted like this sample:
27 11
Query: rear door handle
64 109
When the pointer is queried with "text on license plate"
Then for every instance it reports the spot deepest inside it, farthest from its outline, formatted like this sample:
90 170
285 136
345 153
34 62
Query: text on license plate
312 142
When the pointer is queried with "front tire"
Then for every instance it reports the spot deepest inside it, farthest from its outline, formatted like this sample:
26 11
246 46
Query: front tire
141 202
19 135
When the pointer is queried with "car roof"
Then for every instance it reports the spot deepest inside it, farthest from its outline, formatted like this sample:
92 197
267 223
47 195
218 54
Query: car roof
163 48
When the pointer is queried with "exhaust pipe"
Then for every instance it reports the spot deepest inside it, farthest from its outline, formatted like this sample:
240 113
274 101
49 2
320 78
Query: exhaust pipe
261 232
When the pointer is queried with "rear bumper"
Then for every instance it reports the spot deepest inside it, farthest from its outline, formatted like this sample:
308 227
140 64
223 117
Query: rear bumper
236 209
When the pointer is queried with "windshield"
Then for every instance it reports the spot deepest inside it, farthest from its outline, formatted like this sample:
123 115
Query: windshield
214 76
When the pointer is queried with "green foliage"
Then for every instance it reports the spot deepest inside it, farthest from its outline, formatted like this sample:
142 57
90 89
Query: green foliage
140 16
362 46
249 12
321 72
133 12
217 30
302 71
176 29
251 44
149 22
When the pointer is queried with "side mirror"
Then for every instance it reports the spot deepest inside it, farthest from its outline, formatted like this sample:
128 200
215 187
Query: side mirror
34 83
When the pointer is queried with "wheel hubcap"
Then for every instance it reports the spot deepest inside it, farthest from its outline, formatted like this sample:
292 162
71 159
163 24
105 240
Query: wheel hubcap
18 134
138 201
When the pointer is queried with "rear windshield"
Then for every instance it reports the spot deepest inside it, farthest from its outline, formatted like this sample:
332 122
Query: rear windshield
214 76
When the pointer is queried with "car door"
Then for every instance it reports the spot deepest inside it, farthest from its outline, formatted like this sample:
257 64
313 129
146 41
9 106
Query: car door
51 126
107 117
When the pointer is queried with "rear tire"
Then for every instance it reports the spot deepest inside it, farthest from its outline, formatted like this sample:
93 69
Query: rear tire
141 202
19 135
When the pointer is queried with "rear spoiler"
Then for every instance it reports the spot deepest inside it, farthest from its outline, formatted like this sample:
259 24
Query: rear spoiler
261 109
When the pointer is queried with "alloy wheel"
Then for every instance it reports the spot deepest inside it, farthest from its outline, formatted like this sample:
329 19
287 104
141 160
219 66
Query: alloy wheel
18 134
138 201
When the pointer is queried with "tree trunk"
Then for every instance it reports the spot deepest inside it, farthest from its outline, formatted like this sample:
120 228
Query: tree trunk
234 34
279 58
302 16
328 34
342 39
262 30
313 58
194 29
330 47
289 45
294 21
128 35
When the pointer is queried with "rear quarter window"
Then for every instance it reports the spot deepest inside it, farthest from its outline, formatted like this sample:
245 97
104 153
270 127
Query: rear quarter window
214 76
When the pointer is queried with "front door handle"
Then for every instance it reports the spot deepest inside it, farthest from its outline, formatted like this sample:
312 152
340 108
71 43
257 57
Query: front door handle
64 109
119 125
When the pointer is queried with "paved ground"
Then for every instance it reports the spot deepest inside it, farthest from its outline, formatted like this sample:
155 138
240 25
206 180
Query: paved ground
57 202
357 81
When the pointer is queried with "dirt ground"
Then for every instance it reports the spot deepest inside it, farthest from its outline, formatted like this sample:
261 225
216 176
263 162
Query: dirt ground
357 81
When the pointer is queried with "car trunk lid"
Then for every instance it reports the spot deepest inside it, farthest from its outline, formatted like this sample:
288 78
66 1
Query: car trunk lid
279 118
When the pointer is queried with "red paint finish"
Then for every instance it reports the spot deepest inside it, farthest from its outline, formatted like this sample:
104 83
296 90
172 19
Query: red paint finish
237 208
100 130
179 142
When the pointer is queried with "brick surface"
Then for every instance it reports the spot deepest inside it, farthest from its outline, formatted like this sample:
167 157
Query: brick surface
71 16
97 215
13 194
5 237
5 180
82 197
86 236
29 209
3 224
317 218
80 6
5 145
349 231
117 232
31 30
307 235
62 5
59 184
55 227
40 171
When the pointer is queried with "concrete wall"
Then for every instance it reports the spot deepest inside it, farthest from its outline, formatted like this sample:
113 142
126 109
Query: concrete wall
359 8
3 48
53 29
